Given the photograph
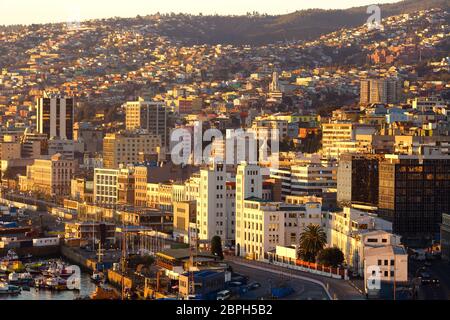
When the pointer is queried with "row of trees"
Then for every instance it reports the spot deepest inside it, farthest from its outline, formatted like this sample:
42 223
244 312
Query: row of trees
311 248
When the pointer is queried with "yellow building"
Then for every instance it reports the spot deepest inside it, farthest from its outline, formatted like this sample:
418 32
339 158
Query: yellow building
128 148
49 176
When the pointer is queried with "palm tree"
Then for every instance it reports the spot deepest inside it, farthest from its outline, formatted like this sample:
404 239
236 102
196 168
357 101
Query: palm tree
312 241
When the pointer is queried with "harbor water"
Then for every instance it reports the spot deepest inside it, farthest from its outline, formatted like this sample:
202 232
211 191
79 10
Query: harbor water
87 287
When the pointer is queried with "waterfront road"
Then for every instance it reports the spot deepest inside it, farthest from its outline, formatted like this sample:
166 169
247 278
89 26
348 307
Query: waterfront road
304 290
338 289
437 269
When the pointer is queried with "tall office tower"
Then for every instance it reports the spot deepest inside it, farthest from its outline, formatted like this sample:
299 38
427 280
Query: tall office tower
55 117
380 91
147 115
357 179
213 218
414 193
249 184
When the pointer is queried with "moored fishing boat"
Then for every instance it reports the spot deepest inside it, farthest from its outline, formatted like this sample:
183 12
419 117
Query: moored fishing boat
20 278
8 289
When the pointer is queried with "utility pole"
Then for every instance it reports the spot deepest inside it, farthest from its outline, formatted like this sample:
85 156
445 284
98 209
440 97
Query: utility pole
124 243
395 282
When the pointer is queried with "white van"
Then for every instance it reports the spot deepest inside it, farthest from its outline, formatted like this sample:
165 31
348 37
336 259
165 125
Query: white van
224 295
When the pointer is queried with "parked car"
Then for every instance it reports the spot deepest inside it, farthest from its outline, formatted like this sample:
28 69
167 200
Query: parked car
224 295
435 281
234 284
425 278
254 286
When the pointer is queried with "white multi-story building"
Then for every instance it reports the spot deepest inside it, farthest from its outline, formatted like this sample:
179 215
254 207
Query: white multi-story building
106 186
353 231
248 184
270 224
385 264
307 176
212 214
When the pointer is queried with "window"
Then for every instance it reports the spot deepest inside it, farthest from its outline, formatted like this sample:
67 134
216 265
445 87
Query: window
379 262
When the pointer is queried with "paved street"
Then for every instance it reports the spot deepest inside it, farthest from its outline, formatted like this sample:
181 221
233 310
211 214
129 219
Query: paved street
438 270
304 290
339 289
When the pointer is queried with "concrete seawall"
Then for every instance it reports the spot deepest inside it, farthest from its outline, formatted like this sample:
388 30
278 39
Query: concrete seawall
76 258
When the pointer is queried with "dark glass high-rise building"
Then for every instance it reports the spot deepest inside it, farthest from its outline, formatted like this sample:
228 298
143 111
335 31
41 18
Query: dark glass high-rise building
414 192
357 179
55 117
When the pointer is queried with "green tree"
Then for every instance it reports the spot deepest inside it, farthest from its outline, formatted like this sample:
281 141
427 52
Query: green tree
312 241
216 246
330 257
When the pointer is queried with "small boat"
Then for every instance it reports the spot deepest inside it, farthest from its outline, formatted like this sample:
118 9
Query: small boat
11 256
20 278
55 283
9 289
65 273
39 282
97 277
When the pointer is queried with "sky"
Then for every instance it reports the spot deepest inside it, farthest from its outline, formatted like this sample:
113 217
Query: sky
44 11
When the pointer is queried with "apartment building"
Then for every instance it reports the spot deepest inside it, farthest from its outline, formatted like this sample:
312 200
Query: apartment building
184 214
212 214
340 137
270 224
147 115
51 176
308 176
126 186
106 186
248 185
140 185
352 231
9 149
385 265
128 148
387 91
